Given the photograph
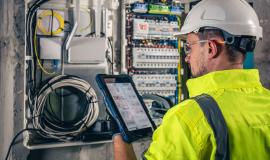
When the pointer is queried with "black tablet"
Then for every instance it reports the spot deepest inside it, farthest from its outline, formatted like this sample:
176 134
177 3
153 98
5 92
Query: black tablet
126 106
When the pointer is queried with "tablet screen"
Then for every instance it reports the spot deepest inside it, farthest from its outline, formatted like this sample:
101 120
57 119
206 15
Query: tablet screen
128 105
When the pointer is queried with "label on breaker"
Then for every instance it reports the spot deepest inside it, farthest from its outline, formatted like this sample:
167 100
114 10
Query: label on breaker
143 28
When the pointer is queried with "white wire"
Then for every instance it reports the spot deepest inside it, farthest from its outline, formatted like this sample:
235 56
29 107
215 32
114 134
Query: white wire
60 82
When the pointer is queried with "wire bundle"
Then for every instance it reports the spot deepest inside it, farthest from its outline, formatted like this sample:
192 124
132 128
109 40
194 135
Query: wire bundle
49 125
59 18
31 69
58 131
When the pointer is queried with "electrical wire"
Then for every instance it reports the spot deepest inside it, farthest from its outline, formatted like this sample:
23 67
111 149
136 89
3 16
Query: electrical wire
51 13
31 69
82 29
57 131
29 23
111 60
15 138
37 97
31 63
179 66
36 54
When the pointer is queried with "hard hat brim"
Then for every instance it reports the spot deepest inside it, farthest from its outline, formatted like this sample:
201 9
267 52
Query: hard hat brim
181 35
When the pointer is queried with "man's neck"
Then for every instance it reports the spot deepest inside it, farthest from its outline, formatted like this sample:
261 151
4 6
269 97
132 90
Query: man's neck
222 63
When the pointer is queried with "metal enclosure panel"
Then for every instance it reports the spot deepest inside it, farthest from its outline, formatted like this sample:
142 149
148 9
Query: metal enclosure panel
87 50
50 48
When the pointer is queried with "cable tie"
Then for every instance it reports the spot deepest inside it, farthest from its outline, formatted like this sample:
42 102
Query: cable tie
50 86
85 125
90 99
52 23
28 58
87 91
36 116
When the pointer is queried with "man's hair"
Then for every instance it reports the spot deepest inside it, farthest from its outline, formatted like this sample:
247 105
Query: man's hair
212 33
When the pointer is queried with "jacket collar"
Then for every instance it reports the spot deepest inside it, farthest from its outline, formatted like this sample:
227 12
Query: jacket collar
236 78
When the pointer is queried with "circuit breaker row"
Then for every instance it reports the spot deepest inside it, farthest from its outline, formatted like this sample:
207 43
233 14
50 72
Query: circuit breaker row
162 84
143 28
155 58
153 50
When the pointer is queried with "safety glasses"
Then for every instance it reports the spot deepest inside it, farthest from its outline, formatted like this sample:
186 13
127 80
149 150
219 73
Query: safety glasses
187 46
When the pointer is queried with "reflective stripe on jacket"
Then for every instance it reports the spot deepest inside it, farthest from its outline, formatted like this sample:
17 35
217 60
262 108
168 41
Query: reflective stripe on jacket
245 105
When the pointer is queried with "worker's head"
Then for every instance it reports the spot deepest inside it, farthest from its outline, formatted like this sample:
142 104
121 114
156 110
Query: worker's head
218 35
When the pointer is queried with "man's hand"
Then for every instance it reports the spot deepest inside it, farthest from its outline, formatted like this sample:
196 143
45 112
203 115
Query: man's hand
122 150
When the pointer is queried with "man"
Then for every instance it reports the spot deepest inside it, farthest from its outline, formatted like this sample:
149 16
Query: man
218 34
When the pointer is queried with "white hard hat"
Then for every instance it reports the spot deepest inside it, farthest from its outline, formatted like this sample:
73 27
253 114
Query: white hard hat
236 17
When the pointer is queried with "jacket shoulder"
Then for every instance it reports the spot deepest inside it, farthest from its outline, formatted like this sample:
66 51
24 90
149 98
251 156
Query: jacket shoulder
187 111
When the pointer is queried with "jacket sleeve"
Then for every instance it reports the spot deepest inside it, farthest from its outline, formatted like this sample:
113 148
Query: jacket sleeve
177 137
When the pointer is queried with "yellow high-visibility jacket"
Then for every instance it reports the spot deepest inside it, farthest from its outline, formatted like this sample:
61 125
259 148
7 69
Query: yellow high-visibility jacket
245 105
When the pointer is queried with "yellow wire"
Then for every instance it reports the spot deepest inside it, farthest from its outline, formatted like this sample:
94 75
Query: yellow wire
58 17
179 67
179 79
35 50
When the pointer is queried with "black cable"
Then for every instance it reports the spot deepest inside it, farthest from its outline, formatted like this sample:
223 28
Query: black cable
29 45
112 61
31 69
14 139
28 17
92 33
67 26
52 23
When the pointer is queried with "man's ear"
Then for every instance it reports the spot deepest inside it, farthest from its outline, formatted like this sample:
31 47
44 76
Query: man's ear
214 49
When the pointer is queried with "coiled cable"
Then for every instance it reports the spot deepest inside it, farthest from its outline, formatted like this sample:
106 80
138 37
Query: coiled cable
47 128
59 18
